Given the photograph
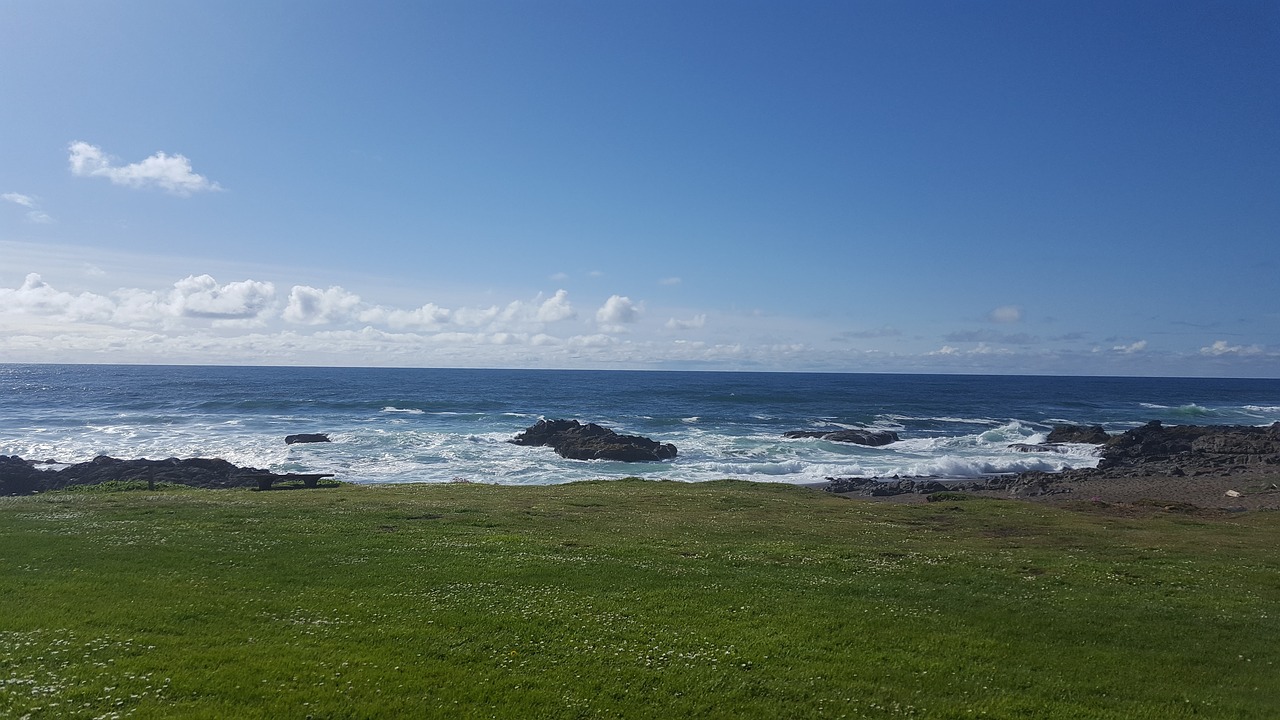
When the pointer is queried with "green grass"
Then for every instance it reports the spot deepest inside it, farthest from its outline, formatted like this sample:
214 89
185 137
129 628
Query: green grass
628 599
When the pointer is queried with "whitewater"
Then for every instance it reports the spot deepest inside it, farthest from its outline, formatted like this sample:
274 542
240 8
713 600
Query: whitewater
448 425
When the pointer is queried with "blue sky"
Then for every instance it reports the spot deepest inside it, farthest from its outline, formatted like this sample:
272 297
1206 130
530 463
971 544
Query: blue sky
1004 187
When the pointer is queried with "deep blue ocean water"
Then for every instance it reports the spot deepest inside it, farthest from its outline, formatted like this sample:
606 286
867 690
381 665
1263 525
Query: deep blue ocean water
437 425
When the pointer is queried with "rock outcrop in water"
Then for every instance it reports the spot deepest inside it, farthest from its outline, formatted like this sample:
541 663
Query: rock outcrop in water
21 477
873 438
575 441
306 438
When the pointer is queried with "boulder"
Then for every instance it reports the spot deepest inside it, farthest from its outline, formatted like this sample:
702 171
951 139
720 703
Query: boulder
873 438
306 438
1092 434
575 441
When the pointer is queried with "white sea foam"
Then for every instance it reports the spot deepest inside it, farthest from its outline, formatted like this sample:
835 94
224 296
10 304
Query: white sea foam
406 411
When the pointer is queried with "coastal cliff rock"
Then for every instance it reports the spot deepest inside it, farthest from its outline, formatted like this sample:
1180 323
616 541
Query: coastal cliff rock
873 438
574 441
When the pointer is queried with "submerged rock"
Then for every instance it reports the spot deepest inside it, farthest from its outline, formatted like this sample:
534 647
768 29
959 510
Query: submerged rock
575 441
873 438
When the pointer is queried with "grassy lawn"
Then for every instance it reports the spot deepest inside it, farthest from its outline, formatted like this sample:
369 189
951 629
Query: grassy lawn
628 599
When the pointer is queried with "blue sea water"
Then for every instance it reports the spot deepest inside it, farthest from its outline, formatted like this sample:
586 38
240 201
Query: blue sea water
442 425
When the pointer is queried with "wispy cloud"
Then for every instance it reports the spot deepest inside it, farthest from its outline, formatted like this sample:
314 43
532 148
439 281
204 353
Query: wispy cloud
171 173
1220 347
1131 348
24 200
670 281
34 213
991 336
1005 314
883 331
693 323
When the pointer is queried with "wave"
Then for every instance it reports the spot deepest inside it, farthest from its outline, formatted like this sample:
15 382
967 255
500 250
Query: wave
1188 410
405 411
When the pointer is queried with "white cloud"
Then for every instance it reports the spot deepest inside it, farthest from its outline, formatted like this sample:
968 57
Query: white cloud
1005 314
36 297
200 296
693 323
1131 348
559 277
427 317
171 173
1220 347
475 317
313 306
556 308
670 281
616 312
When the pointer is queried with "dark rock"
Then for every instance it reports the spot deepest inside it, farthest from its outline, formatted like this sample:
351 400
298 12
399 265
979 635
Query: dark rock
306 438
1193 446
1092 434
873 438
575 441
883 488
17 476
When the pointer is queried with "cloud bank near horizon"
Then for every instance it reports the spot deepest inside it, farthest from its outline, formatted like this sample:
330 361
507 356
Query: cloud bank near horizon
198 319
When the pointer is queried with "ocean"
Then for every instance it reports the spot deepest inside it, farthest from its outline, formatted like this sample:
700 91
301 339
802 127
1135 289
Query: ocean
443 425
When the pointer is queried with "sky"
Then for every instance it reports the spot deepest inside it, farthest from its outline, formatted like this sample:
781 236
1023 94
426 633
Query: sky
1081 188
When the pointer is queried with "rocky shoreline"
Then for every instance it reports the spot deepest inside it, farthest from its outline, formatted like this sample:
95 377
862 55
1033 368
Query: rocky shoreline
1228 467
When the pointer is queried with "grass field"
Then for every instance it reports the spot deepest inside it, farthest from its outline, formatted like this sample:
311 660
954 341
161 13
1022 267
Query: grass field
628 599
